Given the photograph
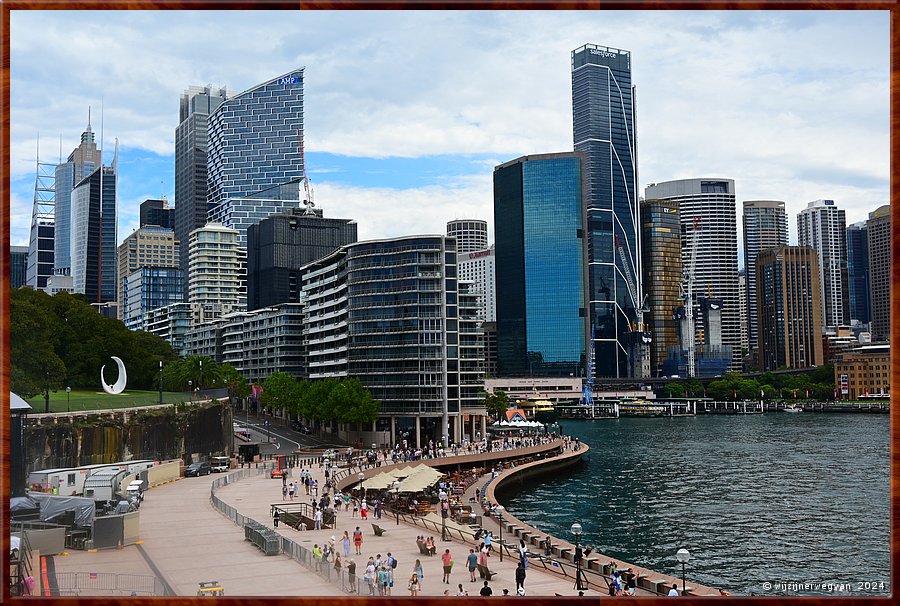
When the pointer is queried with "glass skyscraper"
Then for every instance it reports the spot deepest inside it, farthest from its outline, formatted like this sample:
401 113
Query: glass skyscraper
93 235
604 129
540 271
858 272
80 163
256 142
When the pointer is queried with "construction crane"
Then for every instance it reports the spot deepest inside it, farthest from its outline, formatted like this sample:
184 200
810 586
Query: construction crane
587 392
638 349
689 295
632 287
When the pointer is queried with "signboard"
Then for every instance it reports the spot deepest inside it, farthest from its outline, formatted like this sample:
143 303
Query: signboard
845 384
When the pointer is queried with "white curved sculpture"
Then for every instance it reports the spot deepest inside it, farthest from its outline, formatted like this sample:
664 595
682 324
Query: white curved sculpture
119 387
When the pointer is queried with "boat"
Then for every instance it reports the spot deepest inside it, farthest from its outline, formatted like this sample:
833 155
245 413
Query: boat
792 408
540 410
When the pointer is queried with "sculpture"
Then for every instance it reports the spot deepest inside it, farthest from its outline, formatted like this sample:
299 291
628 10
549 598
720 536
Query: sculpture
119 387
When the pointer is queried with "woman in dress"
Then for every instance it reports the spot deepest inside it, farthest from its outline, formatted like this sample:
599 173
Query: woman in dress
419 573
414 584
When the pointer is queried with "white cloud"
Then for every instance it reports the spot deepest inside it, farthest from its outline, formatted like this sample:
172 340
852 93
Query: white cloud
792 105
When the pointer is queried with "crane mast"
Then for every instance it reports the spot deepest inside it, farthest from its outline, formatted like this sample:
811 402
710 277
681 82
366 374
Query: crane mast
689 295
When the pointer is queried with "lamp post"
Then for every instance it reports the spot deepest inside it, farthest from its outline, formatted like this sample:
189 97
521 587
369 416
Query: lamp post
361 477
68 391
576 530
683 555
499 510
444 512
47 393
200 385
191 388
160 382
396 487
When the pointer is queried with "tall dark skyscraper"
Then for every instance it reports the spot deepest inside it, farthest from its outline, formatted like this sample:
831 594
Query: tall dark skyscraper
604 130
661 250
18 265
765 226
858 272
191 205
158 213
93 235
879 231
280 245
539 210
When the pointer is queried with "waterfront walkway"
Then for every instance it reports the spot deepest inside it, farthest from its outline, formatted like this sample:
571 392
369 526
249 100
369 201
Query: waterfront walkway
185 540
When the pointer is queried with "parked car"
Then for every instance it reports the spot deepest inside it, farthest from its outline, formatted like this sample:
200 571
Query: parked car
197 469
219 464
298 426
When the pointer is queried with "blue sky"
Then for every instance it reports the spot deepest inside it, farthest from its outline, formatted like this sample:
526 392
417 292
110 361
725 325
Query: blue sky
407 113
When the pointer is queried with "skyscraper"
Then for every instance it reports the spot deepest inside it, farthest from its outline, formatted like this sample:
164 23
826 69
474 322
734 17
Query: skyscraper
214 272
603 120
83 160
823 226
858 272
540 250
256 142
789 301
879 231
18 265
158 213
147 247
471 234
661 260
479 267
765 226
191 203
710 204
280 245
93 234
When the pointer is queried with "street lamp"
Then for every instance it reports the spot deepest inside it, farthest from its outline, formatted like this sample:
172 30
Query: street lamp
68 391
200 385
499 511
579 576
683 555
191 388
396 487
361 477
444 512
160 383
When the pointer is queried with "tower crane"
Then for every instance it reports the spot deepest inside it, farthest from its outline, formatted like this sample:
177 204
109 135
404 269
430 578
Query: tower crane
641 337
689 295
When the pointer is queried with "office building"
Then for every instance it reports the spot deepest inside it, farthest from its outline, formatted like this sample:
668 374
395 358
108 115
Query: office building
709 204
542 328
18 266
59 283
479 268
158 213
743 313
765 226
264 341
471 234
191 199
41 238
858 273
661 262
280 245
242 213
93 234
879 244
789 308
863 372
148 288
823 226
149 246
256 142
215 274
83 160
603 121
388 313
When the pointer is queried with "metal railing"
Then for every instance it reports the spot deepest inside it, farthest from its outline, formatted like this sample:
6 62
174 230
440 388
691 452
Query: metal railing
107 583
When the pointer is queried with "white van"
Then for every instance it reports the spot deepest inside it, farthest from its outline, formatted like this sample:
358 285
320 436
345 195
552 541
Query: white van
219 464
135 490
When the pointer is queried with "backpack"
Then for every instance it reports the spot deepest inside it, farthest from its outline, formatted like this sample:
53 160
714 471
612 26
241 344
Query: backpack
393 562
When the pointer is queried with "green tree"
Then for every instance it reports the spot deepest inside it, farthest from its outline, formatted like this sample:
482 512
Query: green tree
280 390
495 403
34 363
237 386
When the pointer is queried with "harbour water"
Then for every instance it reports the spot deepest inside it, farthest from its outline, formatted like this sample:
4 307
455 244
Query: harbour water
772 504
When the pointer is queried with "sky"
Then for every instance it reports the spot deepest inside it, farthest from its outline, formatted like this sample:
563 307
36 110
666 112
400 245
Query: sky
407 113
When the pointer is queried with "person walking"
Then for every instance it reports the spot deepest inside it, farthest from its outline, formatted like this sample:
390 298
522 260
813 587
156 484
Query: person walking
284 492
369 576
472 564
318 518
447 560
275 518
337 564
674 590
487 540
346 542
351 575
357 540
419 573
382 577
486 590
413 585
520 577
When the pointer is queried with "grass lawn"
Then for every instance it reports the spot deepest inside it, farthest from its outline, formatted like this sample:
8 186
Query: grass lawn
84 399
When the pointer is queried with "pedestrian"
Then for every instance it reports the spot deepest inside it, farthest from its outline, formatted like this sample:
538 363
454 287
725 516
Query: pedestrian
447 560
317 556
419 573
351 575
346 541
382 581
472 564
284 492
318 519
291 490
369 576
413 585
520 577
347 502
523 553
548 547
357 540
275 518
630 582
337 564
486 590
674 590
487 541
284 479
363 508
355 507
461 592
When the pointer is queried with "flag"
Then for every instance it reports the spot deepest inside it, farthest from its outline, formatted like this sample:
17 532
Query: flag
735 394
807 392
835 393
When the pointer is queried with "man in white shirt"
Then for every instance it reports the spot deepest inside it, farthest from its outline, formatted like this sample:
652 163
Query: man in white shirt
674 590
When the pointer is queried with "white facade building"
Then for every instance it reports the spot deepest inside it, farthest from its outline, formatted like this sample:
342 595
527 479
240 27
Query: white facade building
478 267
216 274
823 226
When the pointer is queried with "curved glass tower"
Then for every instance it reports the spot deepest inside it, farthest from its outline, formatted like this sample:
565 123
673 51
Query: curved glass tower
603 120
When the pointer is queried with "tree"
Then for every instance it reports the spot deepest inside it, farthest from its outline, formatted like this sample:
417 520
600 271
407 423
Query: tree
34 363
237 386
279 391
495 403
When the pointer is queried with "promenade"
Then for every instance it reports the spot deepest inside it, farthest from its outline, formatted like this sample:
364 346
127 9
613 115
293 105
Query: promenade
185 540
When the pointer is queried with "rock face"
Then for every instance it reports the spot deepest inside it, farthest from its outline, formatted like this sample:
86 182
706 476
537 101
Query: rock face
155 432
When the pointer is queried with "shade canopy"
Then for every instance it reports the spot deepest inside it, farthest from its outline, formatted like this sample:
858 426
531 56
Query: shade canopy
421 478
17 404
379 482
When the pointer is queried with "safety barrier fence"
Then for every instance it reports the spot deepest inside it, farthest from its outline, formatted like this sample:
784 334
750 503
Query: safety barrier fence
107 583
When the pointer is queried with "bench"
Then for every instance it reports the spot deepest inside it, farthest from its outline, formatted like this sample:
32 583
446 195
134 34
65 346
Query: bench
484 572
379 531
425 550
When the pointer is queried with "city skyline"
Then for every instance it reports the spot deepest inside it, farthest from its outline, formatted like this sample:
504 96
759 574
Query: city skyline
385 139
